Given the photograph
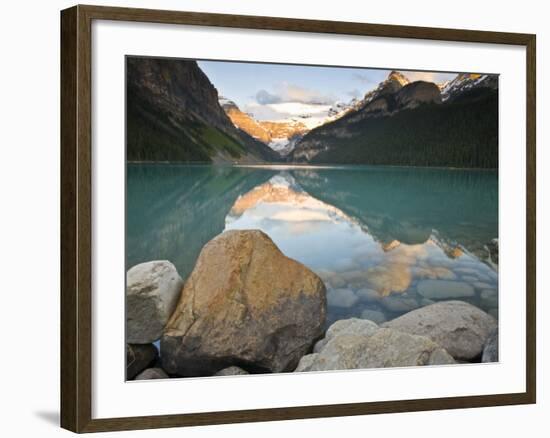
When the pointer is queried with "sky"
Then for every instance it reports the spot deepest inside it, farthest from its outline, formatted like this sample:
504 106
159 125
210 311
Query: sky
282 91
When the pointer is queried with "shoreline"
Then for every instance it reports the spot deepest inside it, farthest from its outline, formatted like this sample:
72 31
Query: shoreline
283 166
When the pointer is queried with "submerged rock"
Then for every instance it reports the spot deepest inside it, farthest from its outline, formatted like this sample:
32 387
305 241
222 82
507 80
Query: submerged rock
459 327
368 295
434 273
245 303
138 358
489 297
393 277
341 298
152 291
152 373
490 349
399 303
373 315
444 290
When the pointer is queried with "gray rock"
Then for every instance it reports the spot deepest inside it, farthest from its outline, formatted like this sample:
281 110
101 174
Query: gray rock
441 357
493 312
138 358
490 349
306 363
244 302
341 298
352 326
384 348
458 327
152 373
319 345
444 290
374 316
231 371
152 291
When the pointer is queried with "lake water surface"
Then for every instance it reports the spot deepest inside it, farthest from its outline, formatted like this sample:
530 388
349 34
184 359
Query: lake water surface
385 240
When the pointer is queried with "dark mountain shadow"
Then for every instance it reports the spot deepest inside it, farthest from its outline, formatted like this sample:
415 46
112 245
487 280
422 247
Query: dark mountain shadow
409 205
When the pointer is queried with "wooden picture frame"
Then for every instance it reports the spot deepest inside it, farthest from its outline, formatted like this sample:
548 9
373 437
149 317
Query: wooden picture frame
76 217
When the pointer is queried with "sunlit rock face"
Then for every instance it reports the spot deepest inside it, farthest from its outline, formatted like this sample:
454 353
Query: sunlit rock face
364 272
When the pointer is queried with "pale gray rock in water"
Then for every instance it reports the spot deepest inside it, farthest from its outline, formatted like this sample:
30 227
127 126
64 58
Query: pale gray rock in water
444 290
482 285
367 294
489 297
374 316
337 281
152 373
490 349
384 348
458 327
138 358
152 291
341 298
231 371
399 303
426 302
244 303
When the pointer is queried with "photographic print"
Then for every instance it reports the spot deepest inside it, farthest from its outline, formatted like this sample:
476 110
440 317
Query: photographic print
296 218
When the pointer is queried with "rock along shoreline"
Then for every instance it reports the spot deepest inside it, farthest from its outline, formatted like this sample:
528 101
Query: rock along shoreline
246 308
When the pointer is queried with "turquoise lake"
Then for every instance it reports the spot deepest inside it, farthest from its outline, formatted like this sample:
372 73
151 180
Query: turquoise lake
385 240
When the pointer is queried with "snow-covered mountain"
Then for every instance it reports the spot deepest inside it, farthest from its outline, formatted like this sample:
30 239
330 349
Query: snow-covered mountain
281 135
464 82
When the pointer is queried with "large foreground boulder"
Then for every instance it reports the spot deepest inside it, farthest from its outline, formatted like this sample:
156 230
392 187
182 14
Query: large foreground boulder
458 327
384 348
152 291
244 304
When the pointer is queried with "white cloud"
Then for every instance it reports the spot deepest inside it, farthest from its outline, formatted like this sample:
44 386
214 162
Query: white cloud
434 77
287 92
310 115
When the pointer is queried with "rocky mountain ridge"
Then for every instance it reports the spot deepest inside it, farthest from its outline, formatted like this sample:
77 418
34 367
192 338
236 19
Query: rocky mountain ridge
410 123
173 115
281 136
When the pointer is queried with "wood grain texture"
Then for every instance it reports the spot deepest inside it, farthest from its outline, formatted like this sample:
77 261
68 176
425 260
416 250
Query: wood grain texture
76 219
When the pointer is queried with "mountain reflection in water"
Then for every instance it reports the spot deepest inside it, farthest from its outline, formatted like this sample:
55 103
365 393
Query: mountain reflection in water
384 240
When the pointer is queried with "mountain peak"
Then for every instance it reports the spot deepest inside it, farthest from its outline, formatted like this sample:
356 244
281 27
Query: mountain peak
398 77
